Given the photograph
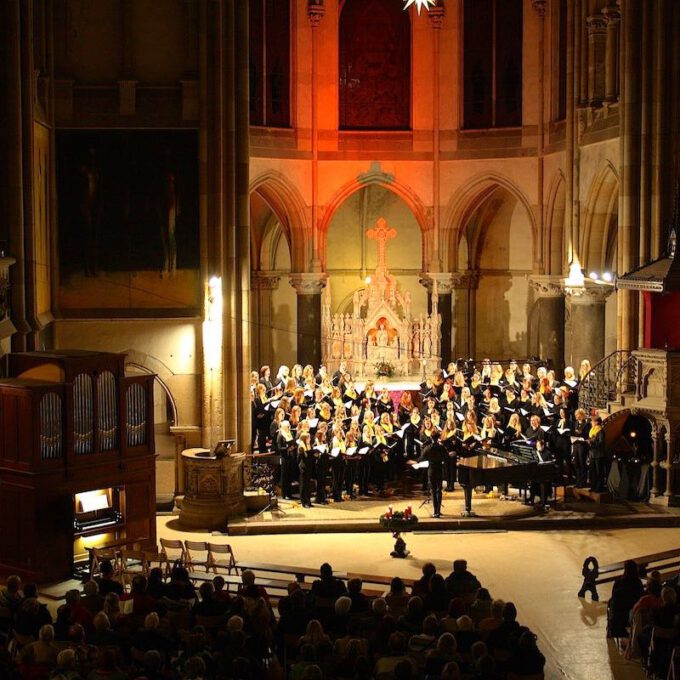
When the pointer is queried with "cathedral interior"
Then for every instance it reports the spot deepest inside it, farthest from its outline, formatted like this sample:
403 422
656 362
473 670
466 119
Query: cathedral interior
199 185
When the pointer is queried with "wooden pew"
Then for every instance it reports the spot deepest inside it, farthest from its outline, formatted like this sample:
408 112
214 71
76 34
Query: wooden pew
667 562
300 573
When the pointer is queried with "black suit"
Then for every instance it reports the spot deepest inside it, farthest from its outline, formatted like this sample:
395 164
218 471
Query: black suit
598 462
436 455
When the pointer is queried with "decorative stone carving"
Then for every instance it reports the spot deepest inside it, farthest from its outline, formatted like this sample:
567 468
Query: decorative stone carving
308 283
447 282
589 293
612 14
596 25
375 174
540 7
262 280
436 15
315 12
546 286
213 489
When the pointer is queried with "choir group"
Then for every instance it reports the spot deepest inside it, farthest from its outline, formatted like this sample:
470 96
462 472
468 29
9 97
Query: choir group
320 423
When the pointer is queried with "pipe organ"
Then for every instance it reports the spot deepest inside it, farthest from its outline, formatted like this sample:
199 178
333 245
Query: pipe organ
77 459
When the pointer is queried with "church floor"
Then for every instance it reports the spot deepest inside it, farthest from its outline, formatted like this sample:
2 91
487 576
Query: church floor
539 571
491 513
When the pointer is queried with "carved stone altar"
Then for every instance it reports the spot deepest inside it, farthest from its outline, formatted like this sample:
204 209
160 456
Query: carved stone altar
213 489
381 328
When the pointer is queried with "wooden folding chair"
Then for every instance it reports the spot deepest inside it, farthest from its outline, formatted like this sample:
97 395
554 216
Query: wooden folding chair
196 554
227 562
133 563
172 550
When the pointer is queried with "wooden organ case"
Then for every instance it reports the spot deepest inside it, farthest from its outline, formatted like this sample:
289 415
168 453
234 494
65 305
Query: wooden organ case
77 460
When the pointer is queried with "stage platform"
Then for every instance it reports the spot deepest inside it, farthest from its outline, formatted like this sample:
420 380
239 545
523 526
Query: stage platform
492 514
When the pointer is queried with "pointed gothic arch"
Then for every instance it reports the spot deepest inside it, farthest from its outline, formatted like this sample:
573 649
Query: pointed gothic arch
553 237
466 201
601 219
289 207
402 191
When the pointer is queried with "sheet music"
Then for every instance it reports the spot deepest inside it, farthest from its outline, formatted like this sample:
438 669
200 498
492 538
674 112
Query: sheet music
422 465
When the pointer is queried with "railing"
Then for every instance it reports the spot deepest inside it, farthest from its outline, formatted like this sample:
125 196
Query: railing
607 380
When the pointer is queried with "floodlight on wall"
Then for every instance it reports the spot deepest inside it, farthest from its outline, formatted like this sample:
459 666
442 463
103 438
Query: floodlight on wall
212 326
420 4
575 277
608 277
594 276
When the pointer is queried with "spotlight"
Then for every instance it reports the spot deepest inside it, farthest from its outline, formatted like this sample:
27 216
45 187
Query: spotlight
368 280
608 277
594 276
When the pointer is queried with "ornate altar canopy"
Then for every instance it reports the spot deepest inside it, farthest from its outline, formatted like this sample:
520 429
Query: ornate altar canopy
381 329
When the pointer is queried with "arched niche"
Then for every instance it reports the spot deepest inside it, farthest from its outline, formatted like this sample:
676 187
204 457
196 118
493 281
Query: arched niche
278 329
351 257
600 239
497 240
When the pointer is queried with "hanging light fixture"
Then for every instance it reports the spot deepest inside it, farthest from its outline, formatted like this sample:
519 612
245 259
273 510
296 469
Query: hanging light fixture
420 4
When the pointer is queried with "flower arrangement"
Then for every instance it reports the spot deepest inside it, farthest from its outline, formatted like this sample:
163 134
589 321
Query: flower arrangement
384 369
398 520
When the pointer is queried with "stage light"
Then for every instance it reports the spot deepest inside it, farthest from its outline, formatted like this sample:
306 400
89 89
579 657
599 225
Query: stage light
608 277
212 326
420 4
594 276
368 280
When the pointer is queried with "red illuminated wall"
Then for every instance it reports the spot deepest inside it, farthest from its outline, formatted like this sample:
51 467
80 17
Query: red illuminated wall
662 320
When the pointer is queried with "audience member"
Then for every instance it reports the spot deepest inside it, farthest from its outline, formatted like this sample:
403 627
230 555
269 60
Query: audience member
107 584
460 581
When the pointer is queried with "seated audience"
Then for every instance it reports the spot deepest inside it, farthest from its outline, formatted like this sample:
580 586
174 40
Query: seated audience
460 581
107 584
333 633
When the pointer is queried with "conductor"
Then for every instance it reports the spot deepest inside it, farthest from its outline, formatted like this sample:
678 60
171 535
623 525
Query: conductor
435 454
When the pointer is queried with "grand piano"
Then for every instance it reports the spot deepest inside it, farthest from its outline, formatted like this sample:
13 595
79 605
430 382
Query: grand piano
495 467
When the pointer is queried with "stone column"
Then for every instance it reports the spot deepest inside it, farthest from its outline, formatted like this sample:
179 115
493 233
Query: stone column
597 44
436 16
654 466
315 13
445 286
630 155
263 284
308 288
585 322
464 318
612 15
242 223
550 318
669 464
